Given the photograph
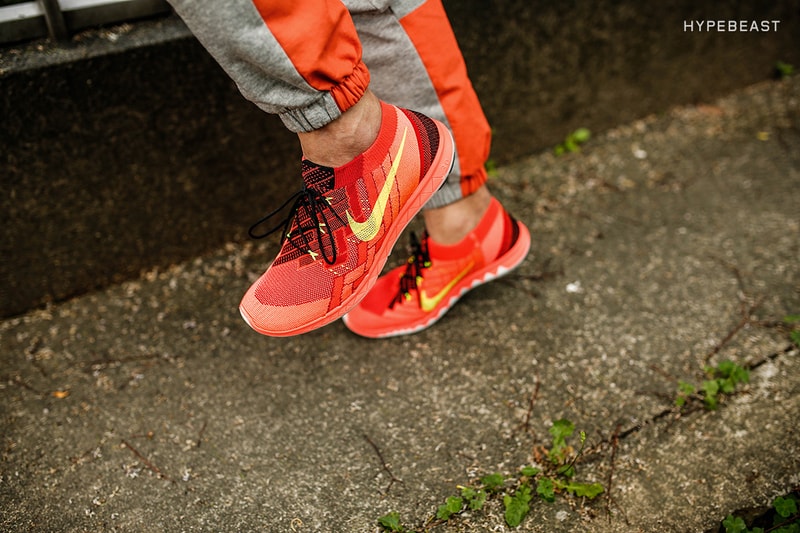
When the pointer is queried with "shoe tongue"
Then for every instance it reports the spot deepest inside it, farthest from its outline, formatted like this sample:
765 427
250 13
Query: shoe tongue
317 177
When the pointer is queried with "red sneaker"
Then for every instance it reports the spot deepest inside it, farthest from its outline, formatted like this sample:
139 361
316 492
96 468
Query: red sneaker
413 297
344 223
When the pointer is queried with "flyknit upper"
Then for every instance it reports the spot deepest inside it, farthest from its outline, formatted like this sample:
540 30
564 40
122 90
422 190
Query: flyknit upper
345 221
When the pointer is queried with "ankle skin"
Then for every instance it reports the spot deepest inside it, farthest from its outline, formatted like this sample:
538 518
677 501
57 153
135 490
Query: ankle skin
451 223
342 140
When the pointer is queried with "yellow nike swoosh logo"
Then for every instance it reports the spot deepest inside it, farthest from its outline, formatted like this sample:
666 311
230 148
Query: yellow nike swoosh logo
428 304
368 230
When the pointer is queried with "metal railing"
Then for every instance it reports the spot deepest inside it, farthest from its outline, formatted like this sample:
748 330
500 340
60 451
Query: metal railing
59 19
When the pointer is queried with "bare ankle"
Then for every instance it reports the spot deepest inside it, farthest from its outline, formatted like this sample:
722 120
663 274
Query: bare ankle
342 140
451 223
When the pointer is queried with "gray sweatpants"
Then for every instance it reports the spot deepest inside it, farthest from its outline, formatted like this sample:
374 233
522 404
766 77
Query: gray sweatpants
308 60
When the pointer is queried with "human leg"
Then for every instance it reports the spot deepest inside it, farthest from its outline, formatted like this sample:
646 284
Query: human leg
377 166
308 78
346 137
415 62
469 238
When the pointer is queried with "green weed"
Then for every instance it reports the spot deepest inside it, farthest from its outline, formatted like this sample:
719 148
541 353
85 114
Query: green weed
517 505
475 498
573 141
722 379
784 517
793 321
783 70
451 506
493 482
391 522
516 491
491 168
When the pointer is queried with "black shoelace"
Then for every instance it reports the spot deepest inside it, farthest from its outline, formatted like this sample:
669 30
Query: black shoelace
316 206
420 258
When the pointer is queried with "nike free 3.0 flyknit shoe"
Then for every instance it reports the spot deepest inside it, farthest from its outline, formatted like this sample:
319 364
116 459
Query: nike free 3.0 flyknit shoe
343 224
413 297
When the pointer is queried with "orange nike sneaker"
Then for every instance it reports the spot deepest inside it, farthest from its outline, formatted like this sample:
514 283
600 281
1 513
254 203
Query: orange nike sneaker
343 224
413 297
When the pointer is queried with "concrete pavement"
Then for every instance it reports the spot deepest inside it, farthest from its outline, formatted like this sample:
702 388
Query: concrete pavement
665 244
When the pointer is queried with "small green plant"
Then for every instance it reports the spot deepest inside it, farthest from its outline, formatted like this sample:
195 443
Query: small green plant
722 379
516 492
734 524
560 430
546 489
491 168
573 141
685 391
553 480
451 506
493 482
391 522
783 70
793 321
784 517
517 505
475 498
785 506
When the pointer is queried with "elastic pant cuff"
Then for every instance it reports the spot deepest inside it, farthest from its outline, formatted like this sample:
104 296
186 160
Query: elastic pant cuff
331 103
321 112
449 192
457 187
352 88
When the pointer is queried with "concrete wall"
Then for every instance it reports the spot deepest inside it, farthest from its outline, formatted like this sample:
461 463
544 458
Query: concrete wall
129 148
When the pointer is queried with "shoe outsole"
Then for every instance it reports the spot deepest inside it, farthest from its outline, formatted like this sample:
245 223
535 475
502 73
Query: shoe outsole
498 268
433 180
